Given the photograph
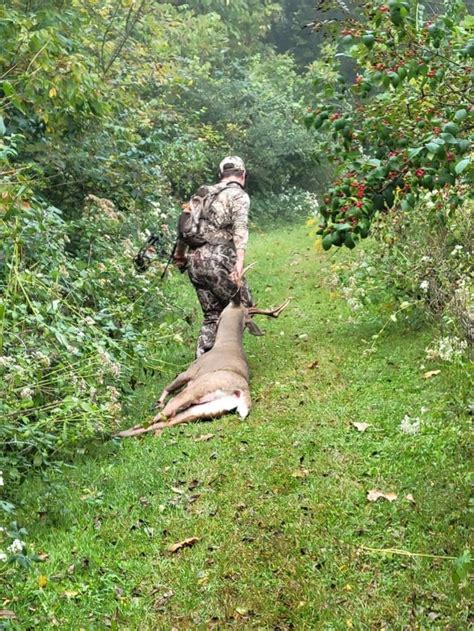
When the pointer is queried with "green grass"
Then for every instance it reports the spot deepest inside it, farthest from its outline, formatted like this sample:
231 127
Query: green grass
278 501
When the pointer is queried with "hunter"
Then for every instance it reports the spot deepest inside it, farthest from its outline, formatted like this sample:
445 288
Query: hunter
213 252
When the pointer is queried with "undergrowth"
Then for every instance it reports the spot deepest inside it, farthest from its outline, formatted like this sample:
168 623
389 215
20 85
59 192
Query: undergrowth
286 537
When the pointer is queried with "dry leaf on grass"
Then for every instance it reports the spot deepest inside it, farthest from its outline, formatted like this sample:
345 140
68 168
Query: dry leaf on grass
314 364
161 601
7 614
300 473
186 543
177 491
375 495
431 373
410 498
203 438
360 427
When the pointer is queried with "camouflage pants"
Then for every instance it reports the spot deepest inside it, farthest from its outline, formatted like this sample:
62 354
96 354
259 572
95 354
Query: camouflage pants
209 269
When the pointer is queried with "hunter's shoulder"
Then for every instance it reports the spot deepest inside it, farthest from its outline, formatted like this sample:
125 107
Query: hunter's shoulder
236 193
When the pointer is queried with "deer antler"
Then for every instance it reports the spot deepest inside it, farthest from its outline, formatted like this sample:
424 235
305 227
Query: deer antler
247 267
271 313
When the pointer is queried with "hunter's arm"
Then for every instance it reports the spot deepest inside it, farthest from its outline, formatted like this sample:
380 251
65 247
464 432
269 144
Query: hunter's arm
241 205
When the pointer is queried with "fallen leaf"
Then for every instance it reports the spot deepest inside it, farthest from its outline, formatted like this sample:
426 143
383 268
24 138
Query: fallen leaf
42 581
203 438
70 594
375 495
431 373
186 543
160 602
7 614
409 497
242 611
176 490
119 592
300 473
314 364
360 427
43 556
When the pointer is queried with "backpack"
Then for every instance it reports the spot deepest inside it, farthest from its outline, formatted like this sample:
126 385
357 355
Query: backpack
197 210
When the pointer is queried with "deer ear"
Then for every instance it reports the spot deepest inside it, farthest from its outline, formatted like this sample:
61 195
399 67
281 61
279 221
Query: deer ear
253 328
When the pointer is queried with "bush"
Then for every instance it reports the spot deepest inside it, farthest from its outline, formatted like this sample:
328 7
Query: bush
78 324
419 263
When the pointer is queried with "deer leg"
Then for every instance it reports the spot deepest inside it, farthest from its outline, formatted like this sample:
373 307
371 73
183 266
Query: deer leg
211 409
181 380
225 402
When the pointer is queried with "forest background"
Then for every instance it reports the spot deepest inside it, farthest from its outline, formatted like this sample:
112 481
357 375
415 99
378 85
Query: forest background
113 112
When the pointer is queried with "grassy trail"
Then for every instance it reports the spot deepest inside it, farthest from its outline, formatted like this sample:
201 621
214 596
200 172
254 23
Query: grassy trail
278 502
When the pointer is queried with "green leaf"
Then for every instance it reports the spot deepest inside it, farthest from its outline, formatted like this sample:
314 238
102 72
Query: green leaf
460 115
433 147
412 153
461 165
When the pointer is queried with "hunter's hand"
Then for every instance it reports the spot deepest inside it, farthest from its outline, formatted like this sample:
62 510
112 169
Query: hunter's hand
180 262
236 274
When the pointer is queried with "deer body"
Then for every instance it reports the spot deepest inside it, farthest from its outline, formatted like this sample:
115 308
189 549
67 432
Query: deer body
217 382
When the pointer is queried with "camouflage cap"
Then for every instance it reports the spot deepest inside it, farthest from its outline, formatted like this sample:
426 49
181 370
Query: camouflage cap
231 163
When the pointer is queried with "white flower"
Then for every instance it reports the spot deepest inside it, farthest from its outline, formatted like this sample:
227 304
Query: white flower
410 425
424 285
26 393
113 393
456 250
447 349
16 547
3 556
42 359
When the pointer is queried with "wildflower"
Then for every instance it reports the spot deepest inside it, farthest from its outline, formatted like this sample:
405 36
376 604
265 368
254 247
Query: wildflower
16 547
3 556
424 285
113 393
26 393
456 250
410 425
42 359
113 409
5 361
447 349
112 367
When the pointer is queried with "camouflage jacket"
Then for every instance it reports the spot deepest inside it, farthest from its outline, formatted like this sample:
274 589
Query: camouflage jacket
227 218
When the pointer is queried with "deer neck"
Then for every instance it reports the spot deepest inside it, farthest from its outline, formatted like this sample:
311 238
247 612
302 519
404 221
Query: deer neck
230 327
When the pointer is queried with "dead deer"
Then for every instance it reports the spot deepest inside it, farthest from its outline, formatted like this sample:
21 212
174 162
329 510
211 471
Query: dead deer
218 381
